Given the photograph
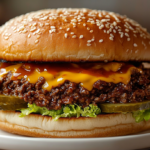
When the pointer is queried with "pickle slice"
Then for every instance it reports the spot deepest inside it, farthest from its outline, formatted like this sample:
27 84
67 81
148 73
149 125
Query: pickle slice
128 107
10 99
12 106
11 103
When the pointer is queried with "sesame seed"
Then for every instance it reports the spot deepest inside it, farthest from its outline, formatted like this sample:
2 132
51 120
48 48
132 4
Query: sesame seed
21 28
116 27
98 24
126 34
74 20
36 41
29 35
88 28
91 31
34 24
25 76
115 17
136 51
47 24
88 41
88 44
6 37
24 31
105 61
92 22
107 16
41 24
66 35
30 19
45 69
127 50
44 18
68 29
114 23
53 27
105 20
114 31
100 15
111 38
74 24
127 30
81 36
93 39
107 25
108 32
60 28
135 45
84 24
101 40
14 28
131 28
111 35
101 55
104 31
74 36
72 33
38 36
53 30
38 31
121 35
134 31
101 26
33 29
66 20
128 39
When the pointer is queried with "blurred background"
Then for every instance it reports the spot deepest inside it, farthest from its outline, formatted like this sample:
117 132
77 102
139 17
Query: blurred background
138 10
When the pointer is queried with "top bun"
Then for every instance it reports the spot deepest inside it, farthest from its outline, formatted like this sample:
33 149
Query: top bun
73 35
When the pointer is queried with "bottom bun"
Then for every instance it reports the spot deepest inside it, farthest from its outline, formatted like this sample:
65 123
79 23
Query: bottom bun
44 126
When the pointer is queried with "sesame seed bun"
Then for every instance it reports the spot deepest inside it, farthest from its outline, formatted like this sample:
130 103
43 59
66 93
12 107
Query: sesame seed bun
44 126
73 35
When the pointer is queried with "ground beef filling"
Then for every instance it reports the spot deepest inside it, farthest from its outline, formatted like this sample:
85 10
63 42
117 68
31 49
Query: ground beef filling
137 90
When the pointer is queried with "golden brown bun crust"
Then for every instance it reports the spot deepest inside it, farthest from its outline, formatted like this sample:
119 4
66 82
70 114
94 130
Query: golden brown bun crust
44 126
73 35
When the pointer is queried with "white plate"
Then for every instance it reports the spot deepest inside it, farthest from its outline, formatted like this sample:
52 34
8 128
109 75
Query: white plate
129 142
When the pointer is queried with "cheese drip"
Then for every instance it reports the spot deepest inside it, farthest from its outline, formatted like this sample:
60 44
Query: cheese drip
57 73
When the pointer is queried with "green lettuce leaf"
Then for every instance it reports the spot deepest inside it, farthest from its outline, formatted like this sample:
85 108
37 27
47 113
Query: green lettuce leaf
66 111
141 115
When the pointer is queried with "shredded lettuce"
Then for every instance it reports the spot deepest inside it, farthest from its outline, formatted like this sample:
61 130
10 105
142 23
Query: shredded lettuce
66 111
76 111
141 115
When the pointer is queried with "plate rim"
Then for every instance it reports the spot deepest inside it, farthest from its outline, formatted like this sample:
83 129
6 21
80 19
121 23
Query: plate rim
22 138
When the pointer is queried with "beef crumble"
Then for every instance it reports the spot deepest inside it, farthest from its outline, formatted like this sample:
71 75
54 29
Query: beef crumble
137 90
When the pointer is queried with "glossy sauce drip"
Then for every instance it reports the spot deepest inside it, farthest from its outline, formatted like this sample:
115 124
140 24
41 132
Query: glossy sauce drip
57 73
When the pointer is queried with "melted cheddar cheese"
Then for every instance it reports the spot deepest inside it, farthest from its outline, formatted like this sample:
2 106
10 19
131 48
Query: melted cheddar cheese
57 73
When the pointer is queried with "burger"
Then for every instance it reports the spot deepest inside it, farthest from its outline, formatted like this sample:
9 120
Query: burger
74 73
